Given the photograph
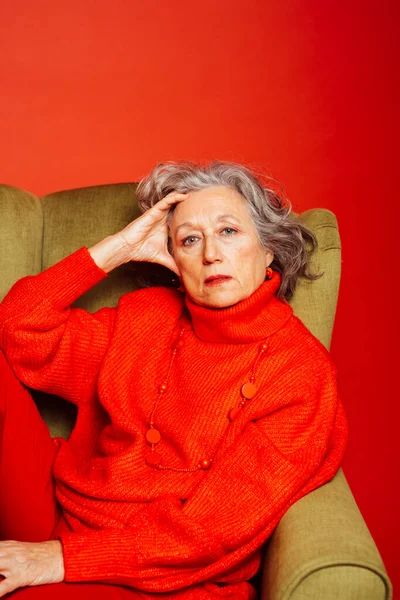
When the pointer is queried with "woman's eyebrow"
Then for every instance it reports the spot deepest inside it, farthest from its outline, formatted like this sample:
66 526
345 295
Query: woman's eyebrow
219 218
182 225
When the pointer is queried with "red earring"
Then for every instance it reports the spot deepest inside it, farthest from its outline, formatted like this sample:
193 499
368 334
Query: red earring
268 273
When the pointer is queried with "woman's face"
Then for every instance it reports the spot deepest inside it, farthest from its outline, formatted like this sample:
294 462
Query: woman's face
216 247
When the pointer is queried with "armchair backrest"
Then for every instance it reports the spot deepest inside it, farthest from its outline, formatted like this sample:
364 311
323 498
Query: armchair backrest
35 233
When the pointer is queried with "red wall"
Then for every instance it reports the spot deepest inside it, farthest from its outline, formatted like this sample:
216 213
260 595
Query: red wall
97 92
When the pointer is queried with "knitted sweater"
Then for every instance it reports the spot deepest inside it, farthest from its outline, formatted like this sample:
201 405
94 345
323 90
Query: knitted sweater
159 530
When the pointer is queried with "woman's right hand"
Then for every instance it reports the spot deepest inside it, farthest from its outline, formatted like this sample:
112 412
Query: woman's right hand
144 240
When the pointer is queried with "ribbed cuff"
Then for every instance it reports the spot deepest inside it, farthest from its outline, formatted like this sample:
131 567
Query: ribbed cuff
85 556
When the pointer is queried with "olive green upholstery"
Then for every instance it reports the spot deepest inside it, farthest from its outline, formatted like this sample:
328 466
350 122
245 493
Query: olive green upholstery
322 548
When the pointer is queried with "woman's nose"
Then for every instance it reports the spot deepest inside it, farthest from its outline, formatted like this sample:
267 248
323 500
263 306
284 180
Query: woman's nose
212 251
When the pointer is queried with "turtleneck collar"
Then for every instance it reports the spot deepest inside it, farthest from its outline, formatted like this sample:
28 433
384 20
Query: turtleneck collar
250 320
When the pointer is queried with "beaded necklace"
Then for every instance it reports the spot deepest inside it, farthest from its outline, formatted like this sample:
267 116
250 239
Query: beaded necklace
248 390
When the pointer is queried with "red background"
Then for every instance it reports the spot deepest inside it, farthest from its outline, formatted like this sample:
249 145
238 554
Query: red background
97 92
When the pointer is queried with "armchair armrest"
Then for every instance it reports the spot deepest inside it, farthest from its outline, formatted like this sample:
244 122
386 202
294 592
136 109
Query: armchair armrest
322 548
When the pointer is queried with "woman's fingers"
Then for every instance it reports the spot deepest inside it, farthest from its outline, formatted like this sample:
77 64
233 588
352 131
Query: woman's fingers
174 197
169 200
146 237
155 216
6 586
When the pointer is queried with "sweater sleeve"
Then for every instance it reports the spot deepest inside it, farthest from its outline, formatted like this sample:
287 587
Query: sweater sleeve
275 460
49 345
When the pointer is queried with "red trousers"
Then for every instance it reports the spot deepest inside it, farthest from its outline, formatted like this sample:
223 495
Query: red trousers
28 507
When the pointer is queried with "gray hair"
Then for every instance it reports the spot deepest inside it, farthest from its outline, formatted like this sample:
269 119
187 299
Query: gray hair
291 242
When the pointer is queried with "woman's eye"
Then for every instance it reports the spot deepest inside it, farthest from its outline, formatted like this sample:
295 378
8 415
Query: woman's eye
228 230
189 241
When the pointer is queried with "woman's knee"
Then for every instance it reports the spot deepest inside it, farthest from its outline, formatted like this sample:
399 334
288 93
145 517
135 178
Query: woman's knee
5 369
10 386
4 376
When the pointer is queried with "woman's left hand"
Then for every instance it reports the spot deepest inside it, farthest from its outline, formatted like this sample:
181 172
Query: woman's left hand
30 563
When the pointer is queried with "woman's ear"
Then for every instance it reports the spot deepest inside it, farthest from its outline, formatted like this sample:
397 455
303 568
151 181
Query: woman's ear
269 257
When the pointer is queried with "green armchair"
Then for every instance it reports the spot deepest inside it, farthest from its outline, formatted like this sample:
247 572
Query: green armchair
321 548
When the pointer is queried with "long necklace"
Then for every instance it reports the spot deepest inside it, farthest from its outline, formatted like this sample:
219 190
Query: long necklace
248 390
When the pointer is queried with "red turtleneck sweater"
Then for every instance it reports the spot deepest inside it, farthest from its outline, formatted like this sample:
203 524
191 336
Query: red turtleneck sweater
160 530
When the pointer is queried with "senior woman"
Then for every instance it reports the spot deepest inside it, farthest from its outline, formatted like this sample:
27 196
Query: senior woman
204 411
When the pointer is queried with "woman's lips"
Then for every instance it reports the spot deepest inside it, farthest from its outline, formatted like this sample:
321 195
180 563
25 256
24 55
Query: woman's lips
217 280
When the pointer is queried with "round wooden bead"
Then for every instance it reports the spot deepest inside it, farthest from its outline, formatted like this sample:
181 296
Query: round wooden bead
153 459
153 436
204 464
248 390
234 413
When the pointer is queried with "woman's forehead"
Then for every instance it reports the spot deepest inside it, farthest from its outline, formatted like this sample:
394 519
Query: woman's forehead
209 204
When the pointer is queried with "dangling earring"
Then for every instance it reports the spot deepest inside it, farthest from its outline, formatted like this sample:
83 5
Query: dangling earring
268 273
